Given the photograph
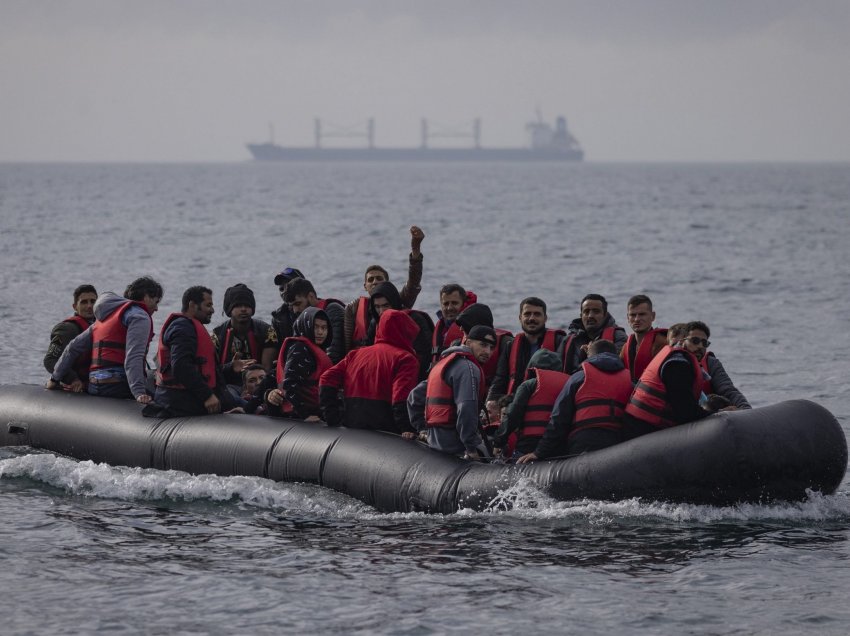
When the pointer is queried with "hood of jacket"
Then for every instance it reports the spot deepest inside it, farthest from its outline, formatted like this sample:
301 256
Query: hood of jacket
107 303
547 360
385 290
396 328
606 362
305 325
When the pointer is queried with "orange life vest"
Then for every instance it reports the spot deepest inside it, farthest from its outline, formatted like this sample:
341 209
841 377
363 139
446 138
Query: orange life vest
548 343
440 408
649 402
600 401
542 401
643 355
109 338
204 355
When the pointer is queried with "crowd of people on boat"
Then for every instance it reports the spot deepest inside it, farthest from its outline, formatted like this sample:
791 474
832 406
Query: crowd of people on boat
457 383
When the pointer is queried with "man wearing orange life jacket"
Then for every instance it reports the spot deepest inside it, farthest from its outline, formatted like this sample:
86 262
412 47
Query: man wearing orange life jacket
300 365
65 331
513 360
646 341
117 343
595 323
300 294
243 340
589 412
188 381
446 406
667 393
528 413
356 322
453 300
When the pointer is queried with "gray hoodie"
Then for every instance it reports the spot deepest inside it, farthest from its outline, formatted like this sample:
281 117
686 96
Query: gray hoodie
138 323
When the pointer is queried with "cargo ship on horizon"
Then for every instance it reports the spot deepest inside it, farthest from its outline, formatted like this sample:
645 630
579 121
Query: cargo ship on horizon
546 144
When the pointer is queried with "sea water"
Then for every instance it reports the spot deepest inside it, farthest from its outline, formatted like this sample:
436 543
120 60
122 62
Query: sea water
756 251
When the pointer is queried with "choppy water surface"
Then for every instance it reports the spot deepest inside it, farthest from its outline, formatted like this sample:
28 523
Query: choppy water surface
758 252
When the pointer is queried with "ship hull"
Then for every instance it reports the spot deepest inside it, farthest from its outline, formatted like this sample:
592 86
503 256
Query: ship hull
273 152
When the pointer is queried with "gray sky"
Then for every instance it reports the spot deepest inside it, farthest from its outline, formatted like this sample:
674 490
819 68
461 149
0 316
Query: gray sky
639 80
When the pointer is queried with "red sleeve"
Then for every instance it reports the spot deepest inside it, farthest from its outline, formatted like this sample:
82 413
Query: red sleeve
335 375
405 378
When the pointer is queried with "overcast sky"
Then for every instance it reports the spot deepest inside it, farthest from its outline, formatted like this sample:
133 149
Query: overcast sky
638 80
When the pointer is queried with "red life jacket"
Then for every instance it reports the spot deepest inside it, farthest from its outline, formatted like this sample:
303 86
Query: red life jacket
514 377
542 401
109 338
311 384
443 337
361 323
204 355
649 401
706 377
643 356
440 408
324 302
253 346
600 401
83 363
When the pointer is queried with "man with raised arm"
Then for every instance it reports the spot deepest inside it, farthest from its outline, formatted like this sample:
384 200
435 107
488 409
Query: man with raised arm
357 311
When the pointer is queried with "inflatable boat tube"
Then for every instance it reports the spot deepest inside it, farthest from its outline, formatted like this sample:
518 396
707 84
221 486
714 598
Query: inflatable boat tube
777 452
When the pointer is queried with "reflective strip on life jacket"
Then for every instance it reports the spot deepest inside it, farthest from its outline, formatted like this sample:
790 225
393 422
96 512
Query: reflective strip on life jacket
542 401
600 401
649 402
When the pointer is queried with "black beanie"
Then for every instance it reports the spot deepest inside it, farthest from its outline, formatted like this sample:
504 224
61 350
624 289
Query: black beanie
475 314
482 333
239 294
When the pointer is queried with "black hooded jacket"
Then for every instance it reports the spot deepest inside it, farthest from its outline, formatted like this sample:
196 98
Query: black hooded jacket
422 342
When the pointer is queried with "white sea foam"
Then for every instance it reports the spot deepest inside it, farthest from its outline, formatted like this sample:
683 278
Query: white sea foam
523 499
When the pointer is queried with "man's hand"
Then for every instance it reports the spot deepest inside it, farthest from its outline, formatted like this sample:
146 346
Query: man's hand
76 386
144 399
416 236
275 397
52 385
408 435
212 404
527 458
239 363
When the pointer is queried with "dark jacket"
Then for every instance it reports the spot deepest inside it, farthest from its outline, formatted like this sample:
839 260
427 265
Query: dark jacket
60 336
513 420
577 336
264 336
722 384
554 440
375 380
300 362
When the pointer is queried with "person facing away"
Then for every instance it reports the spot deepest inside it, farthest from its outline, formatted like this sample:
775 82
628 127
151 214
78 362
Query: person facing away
645 341
243 340
300 365
594 323
188 380
375 380
385 296
453 300
528 414
300 294
71 327
447 405
117 342
513 361
715 379
667 393
357 311
589 411
282 317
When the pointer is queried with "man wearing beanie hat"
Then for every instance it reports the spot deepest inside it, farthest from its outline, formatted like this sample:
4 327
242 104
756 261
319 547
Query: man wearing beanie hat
243 339
480 314
446 406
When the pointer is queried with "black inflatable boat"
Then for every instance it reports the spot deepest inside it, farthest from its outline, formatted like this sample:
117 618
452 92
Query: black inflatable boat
777 452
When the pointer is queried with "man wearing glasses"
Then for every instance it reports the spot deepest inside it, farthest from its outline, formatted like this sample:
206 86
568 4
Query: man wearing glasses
719 383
